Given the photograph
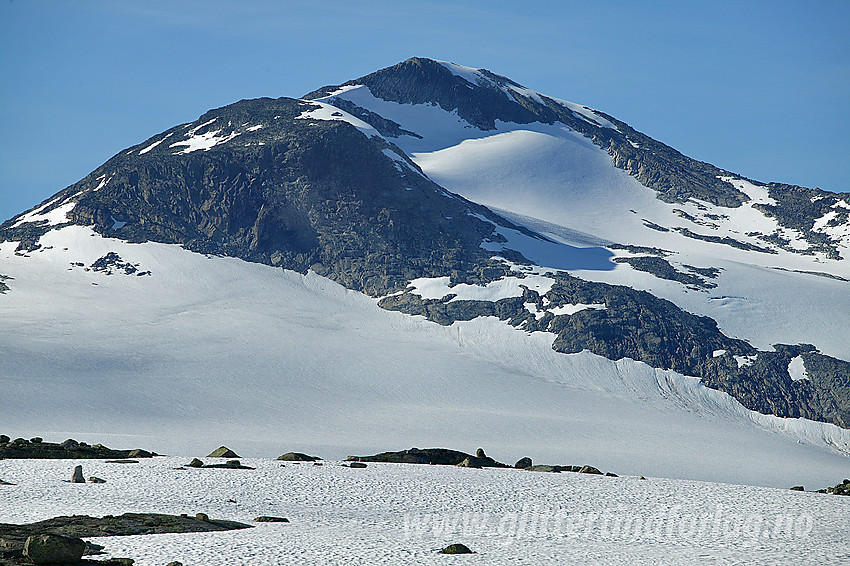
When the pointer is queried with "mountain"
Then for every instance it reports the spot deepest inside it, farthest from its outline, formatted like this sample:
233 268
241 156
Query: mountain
514 263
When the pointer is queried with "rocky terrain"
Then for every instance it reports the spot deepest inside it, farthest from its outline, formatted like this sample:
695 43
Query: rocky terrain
59 538
71 449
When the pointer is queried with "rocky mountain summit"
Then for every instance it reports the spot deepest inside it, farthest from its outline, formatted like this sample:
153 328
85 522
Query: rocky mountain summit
324 184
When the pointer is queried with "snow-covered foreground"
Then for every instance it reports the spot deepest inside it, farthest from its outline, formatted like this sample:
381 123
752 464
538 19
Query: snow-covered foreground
404 513
211 351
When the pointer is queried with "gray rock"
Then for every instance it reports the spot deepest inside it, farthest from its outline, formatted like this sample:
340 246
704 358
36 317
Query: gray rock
269 519
223 452
297 457
53 549
139 453
523 463
469 463
77 477
456 548
589 470
544 468
94 479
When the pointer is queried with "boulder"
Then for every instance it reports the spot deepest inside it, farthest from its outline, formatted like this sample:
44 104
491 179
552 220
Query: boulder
456 548
195 463
798 488
297 457
77 476
202 517
269 519
589 470
36 440
544 468
357 465
175 563
53 549
2 482
70 444
611 475
4 439
480 453
223 452
230 464
95 479
523 463
470 462
139 453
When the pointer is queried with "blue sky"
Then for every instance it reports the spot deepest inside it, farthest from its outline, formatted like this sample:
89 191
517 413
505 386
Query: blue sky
759 88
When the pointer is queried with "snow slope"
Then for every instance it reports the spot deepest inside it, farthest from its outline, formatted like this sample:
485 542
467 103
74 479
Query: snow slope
403 514
208 351
552 179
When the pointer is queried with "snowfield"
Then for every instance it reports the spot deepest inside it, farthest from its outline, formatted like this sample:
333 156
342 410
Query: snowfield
404 513
211 350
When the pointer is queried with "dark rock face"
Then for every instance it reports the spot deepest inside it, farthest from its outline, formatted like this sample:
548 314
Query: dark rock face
523 463
440 456
195 463
661 268
53 549
798 208
297 193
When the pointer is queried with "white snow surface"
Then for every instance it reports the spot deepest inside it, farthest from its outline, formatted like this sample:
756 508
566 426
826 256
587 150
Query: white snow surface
404 513
211 351
53 217
205 141
797 369
438 287
153 145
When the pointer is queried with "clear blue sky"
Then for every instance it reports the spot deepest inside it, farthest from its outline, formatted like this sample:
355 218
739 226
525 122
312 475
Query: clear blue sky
759 88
